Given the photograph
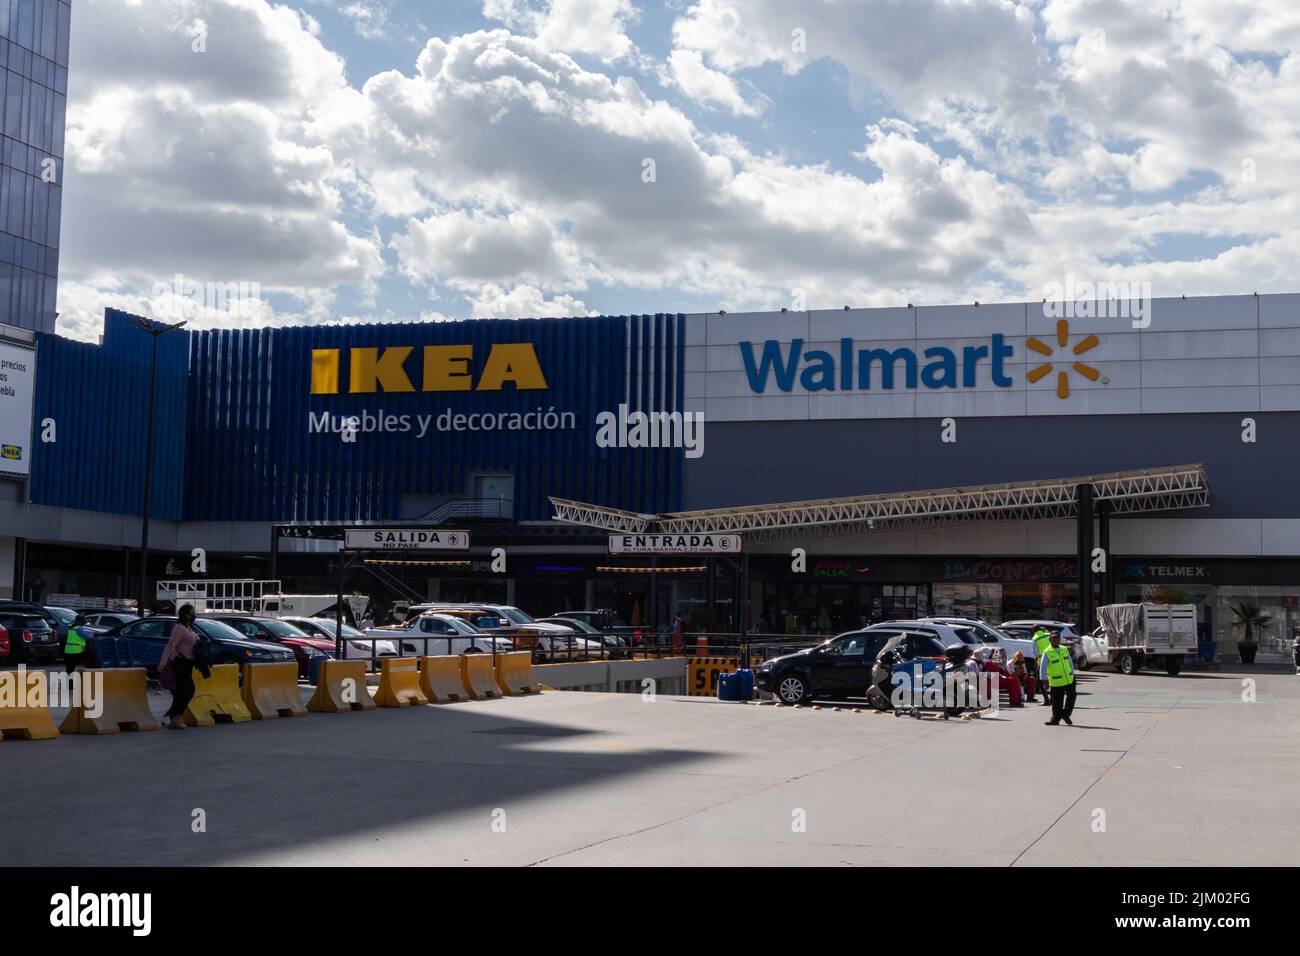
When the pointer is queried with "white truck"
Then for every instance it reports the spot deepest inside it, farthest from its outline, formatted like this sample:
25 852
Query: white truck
1133 636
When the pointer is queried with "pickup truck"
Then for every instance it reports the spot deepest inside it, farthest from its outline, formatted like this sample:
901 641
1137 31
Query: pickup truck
1133 636
433 633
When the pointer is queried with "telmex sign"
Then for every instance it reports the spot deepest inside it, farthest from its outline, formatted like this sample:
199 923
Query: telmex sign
444 368
674 543
819 370
404 539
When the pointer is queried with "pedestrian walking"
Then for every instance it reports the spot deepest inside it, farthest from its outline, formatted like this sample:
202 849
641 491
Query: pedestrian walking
1057 671
367 621
180 658
76 649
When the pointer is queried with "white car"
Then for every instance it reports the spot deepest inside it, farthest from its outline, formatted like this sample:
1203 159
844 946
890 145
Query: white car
355 646
946 632
990 635
433 633
1070 637
101 622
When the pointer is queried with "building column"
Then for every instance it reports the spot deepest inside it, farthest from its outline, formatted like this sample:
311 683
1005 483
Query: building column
1103 541
11 568
1085 541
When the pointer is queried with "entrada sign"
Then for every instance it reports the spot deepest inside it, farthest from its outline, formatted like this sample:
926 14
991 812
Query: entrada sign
404 539
700 543
445 368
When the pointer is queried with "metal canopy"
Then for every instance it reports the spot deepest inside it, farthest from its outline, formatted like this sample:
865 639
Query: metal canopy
1152 489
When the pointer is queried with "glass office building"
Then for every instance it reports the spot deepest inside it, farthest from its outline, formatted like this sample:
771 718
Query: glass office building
33 99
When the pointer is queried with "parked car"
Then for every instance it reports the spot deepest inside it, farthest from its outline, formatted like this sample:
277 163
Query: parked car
27 607
990 635
841 667
101 622
434 633
602 620
548 640
140 643
1070 636
611 642
26 638
275 631
355 644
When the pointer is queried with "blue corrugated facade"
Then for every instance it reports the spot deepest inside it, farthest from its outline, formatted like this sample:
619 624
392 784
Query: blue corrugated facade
94 398
235 414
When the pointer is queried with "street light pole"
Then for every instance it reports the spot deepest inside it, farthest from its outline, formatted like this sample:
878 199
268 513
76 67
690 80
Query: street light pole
156 332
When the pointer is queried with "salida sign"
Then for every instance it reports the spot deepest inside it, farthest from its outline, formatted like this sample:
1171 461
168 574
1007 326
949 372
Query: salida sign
404 539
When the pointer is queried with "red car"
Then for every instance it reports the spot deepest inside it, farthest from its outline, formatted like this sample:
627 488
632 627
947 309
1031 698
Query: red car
303 645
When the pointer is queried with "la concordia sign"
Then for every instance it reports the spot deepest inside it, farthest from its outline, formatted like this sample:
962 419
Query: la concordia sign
695 543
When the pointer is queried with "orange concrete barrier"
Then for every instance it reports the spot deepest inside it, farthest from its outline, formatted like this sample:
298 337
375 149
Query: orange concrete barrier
399 683
216 698
271 691
341 688
123 703
25 706
440 679
515 673
477 675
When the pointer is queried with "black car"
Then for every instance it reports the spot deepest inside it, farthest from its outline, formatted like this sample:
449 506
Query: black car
140 643
841 667
26 638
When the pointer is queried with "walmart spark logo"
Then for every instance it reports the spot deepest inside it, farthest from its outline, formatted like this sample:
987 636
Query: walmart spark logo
1062 376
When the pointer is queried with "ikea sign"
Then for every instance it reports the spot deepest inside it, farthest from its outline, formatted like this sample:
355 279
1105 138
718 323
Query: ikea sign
862 369
443 368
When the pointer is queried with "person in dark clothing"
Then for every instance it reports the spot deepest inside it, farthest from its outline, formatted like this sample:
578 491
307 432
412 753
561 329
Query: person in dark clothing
180 655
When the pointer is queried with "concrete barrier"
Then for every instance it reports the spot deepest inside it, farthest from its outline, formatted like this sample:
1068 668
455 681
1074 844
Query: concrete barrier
124 703
271 691
440 679
399 683
477 675
216 698
25 706
616 677
341 688
515 673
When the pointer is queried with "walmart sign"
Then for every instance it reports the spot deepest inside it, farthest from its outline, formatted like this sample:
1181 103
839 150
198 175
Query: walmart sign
850 368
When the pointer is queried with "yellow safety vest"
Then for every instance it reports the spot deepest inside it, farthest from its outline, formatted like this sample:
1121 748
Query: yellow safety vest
1042 641
76 643
1059 669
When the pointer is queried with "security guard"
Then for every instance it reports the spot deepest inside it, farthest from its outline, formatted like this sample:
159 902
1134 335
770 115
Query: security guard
74 649
1043 641
1057 670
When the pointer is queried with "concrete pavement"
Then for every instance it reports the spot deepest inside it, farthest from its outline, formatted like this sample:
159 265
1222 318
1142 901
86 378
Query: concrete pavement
1157 770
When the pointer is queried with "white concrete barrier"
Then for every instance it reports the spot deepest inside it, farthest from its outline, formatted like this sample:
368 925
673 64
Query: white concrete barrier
615 677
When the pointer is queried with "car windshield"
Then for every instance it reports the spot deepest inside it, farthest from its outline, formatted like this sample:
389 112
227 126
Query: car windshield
282 628
462 627
517 616
62 614
217 630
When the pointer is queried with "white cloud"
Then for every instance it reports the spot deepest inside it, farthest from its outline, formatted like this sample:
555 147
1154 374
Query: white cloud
686 70
594 27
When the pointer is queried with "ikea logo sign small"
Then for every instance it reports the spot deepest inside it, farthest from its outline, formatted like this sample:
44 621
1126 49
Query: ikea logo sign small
850 368
11 452
443 368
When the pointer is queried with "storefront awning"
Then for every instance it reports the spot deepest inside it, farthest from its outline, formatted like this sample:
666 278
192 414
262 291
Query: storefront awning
1152 489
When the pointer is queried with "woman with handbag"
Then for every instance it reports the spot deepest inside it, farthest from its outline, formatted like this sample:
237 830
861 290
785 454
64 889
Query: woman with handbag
176 668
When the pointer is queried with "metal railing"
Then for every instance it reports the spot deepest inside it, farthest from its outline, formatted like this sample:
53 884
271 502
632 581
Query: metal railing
470 508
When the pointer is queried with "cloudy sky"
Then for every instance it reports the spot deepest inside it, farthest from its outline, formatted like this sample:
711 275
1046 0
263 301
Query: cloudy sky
397 159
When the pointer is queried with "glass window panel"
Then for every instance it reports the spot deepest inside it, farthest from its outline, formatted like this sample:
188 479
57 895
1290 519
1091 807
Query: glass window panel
61 53
27 297
47 122
56 210
26 34
60 122
49 27
13 105
6 287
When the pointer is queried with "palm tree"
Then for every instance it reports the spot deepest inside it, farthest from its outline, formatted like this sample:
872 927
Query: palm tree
1249 616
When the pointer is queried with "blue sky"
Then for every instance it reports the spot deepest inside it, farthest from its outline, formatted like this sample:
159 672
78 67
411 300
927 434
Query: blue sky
391 160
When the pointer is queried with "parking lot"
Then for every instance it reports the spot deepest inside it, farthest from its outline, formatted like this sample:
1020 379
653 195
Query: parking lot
1157 770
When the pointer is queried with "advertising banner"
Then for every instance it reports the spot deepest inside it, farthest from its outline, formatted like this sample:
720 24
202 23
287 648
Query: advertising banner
17 391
